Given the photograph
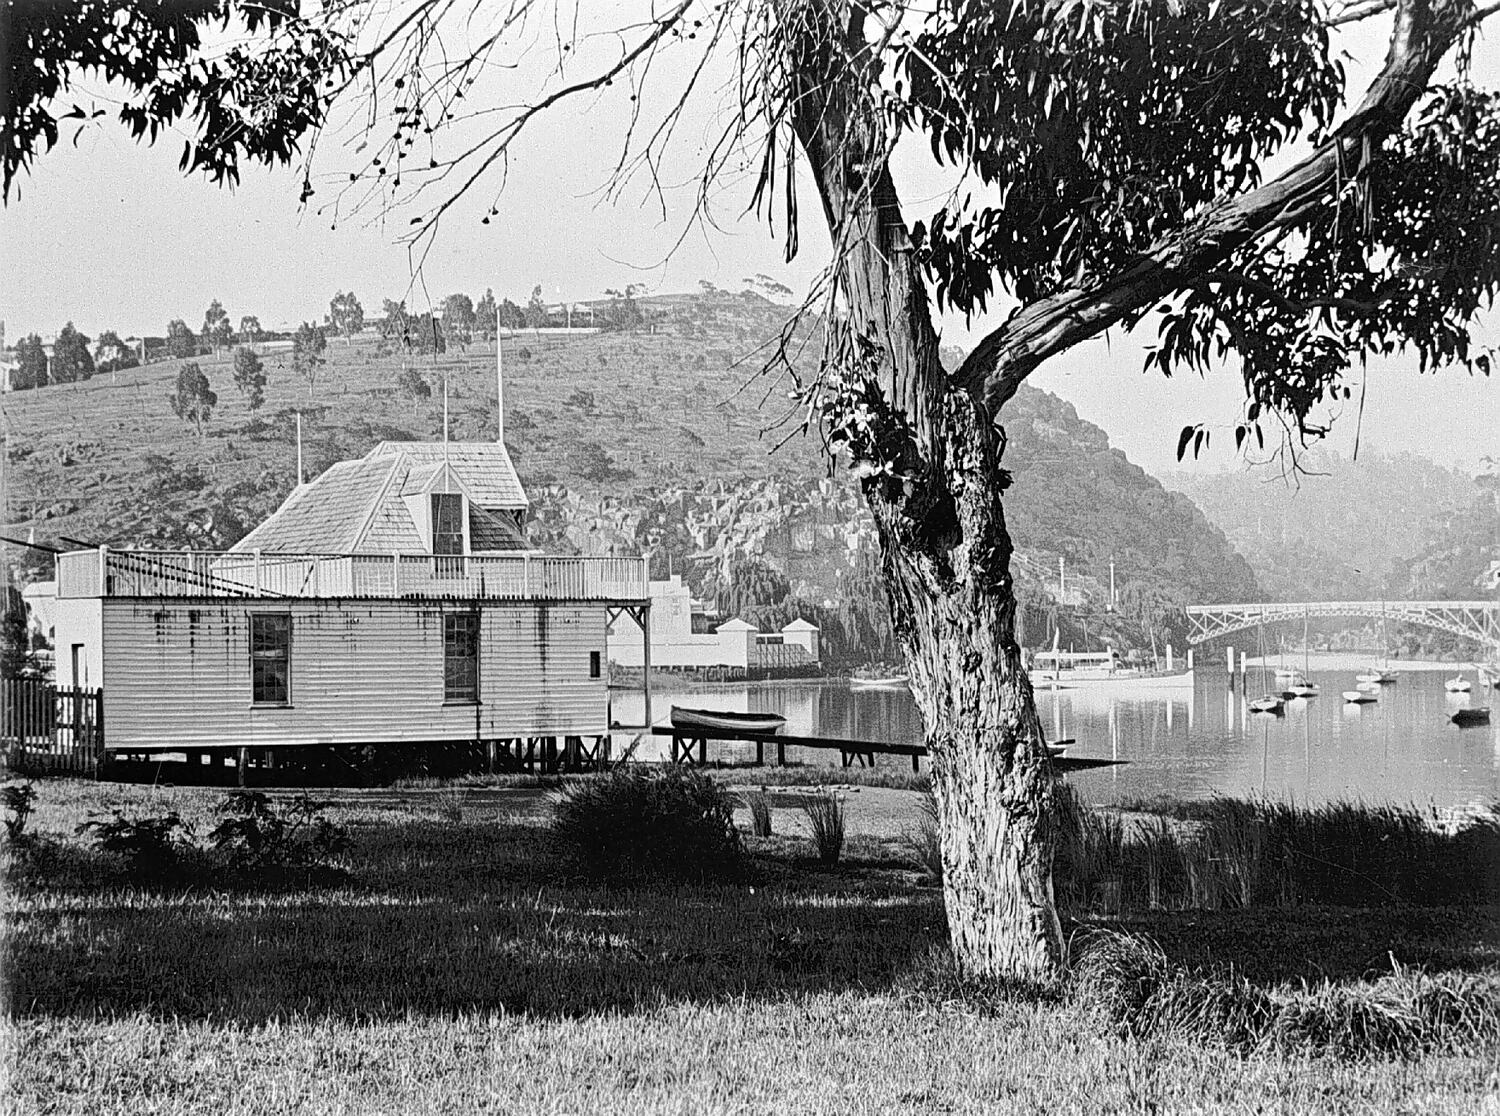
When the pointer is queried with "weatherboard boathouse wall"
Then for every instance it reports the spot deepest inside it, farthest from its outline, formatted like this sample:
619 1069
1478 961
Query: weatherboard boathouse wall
362 671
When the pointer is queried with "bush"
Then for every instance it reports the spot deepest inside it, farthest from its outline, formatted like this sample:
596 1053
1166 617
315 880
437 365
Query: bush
636 825
261 833
17 800
925 843
1128 980
149 846
825 819
759 803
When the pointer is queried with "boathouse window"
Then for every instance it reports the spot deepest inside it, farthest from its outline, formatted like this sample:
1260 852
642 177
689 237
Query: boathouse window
448 533
461 656
270 658
594 665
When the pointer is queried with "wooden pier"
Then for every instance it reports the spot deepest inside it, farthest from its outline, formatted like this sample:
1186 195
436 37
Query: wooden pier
690 745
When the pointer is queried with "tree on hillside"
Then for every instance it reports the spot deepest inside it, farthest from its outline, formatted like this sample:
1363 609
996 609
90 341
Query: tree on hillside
410 383
250 330
346 315
485 312
31 363
1189 166
111 354
393 319
192 399
458 320
422 335
217 332
622 312
71 359
511 316
308 344
250 377
536 309
181 342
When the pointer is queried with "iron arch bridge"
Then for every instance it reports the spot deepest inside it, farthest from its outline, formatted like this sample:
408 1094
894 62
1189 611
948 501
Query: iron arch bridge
1478 620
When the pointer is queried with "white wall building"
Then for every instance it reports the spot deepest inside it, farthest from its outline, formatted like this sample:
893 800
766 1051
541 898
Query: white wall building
734 644
392 600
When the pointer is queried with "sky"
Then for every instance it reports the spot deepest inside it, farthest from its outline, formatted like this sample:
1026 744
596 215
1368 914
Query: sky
108 234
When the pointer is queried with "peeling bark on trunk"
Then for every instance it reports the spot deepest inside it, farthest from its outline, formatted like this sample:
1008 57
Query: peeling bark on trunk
945 550
954 611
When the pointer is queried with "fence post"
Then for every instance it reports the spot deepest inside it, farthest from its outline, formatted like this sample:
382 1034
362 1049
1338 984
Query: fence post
103 571
395 574
256 552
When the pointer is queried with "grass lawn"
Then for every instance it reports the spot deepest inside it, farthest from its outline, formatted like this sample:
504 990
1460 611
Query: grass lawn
458 968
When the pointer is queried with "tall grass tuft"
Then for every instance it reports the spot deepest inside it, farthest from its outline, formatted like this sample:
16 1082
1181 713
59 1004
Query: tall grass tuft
1228 853
638 826
759 804
825 820
1129 982
1086 873
925 842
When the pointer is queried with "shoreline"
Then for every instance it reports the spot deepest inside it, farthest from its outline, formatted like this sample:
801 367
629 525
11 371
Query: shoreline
1351 660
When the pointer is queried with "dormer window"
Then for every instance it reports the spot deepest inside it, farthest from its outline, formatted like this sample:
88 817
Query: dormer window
447 523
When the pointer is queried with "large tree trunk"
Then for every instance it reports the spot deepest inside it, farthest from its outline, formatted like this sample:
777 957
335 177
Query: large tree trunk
953 603
935 491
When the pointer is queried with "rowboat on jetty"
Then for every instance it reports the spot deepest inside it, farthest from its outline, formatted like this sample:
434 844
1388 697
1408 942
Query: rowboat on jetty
727 720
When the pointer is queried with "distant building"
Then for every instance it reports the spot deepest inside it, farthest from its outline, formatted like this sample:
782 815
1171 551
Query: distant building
391 600
680 639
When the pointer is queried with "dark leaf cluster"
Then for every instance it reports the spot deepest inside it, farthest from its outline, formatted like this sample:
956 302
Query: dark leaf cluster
252 103
1095 128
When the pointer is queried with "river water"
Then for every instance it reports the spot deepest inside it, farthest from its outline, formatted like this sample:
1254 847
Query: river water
1189 743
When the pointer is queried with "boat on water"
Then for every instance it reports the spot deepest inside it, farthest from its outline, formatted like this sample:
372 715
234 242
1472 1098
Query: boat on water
1359 697
1062 669
890 682
1268 704
1305 689
1477 716
1368 687
727 720
1285 674
1458 685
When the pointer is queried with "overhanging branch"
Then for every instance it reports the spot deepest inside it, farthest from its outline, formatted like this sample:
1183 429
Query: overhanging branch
1424 31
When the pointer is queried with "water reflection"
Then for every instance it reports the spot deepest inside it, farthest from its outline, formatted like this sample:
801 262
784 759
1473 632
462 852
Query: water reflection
1190 743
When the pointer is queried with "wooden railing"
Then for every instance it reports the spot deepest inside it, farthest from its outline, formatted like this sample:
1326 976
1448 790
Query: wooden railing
198 573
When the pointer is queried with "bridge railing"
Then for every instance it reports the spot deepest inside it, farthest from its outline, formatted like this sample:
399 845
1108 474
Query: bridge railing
1477 620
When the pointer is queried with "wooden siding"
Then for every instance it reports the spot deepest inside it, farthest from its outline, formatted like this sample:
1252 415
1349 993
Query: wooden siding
361 672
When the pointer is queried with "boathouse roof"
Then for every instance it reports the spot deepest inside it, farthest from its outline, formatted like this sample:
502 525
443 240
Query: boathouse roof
376 504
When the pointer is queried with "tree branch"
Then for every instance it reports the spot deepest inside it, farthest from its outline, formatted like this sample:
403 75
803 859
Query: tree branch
1423 33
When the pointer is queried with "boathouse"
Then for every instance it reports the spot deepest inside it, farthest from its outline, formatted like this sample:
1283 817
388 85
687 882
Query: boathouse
393 600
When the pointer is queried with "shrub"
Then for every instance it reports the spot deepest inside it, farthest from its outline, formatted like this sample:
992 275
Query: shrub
925 843
17 799
825 819
261 833
759 803
1129 981
150 846
637 825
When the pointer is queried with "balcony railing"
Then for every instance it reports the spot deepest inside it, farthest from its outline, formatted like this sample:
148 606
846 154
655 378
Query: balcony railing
197 573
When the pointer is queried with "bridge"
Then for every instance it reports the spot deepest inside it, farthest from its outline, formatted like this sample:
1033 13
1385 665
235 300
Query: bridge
1478 620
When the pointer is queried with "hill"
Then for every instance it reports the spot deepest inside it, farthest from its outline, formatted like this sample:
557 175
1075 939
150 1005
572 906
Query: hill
659 439
1381 526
